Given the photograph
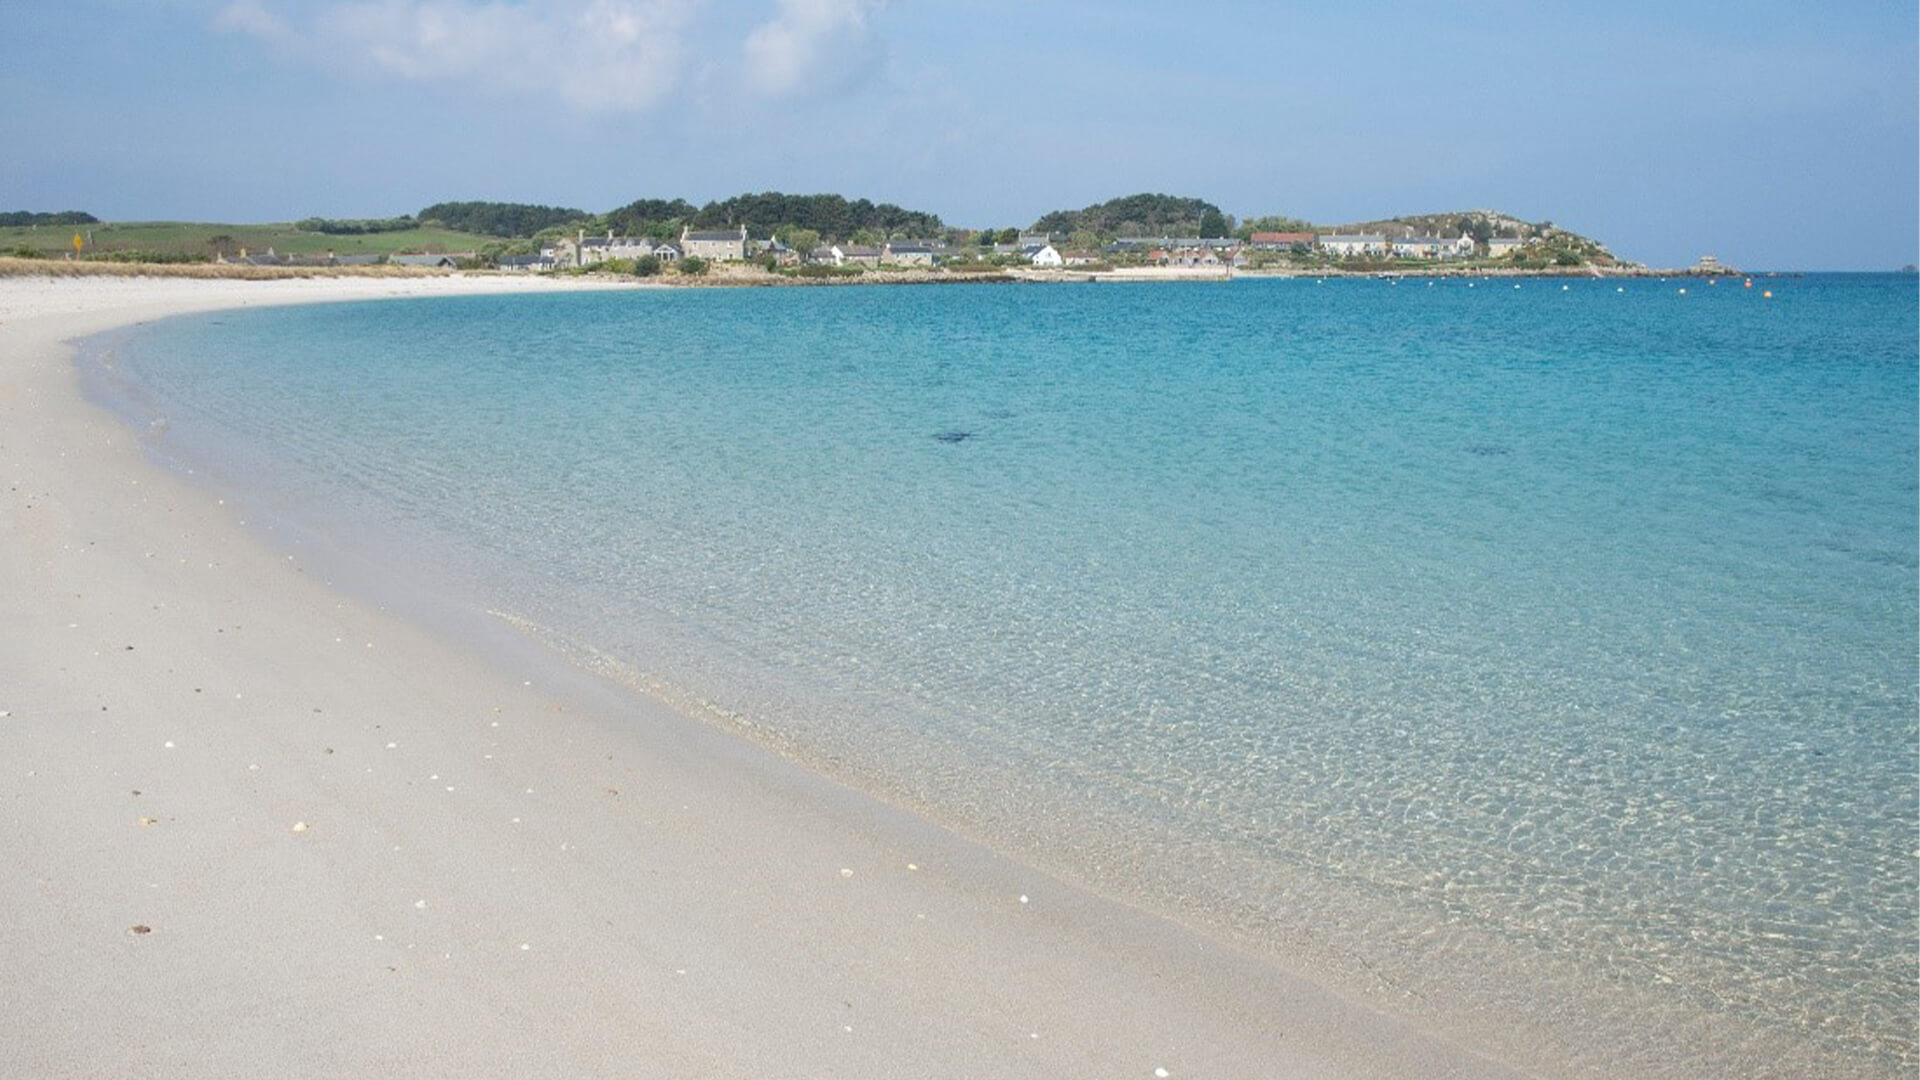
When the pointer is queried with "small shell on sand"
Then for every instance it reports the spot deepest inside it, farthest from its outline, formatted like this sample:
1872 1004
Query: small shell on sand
299 826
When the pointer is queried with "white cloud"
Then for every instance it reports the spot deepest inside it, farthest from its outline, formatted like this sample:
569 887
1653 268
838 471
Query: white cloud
251 17
591 54
813 47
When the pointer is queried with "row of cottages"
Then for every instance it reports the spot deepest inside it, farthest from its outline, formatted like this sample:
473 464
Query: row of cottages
1372 245
1350 245
584 250
891 253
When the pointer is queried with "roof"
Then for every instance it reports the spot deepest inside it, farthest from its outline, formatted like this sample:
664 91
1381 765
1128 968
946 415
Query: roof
1282 238
714 237
903 248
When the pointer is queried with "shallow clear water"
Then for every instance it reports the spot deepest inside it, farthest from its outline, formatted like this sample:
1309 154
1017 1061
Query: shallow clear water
1524 628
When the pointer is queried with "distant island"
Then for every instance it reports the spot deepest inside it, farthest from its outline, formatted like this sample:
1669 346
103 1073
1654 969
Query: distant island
831 237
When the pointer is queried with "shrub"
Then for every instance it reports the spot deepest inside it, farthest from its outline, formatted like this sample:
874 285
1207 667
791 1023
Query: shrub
647 265
693 264
824 270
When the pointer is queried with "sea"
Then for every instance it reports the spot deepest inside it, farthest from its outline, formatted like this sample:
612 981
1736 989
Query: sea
1536 657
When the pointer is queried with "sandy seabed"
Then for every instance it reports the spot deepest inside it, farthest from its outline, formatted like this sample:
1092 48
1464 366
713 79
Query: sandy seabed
254 826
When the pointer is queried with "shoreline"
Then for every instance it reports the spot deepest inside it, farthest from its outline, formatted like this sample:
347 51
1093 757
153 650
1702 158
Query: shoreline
358 847
741 276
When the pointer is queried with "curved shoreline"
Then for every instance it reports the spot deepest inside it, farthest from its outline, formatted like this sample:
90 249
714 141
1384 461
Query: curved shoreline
753 852
356 847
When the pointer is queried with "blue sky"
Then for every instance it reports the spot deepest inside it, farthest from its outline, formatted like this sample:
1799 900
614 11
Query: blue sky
1775 135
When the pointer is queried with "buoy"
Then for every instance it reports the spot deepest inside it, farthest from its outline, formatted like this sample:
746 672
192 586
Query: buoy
1683 292
1767 295
1749 283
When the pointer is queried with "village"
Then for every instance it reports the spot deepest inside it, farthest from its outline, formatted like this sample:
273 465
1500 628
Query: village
1036 249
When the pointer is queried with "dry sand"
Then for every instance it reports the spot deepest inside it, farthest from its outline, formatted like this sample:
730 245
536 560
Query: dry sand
255 827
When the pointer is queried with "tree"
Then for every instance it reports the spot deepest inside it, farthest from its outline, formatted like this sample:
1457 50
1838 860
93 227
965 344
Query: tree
693 264
500 219
1009 236
1214 223
646 217
797 238
646 265
1272 223
1134 215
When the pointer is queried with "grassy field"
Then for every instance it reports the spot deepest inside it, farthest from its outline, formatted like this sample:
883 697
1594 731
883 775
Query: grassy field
62 268
201 239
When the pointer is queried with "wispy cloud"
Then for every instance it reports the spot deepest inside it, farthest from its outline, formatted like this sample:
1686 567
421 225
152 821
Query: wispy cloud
590 54
814 47
252 17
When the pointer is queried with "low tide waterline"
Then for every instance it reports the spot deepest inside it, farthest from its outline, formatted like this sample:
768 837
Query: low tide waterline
1547 650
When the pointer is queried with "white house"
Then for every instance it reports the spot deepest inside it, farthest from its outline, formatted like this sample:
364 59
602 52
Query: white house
1046 255
1350 245
1433 247
714 246
1504 245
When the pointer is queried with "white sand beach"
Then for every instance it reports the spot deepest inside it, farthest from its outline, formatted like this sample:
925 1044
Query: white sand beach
253 826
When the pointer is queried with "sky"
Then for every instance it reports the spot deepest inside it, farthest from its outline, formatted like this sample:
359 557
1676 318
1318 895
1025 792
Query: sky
1775 135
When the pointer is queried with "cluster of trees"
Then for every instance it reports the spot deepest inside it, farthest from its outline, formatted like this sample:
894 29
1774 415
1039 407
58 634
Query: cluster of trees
799 220
831 216
657 218
21 218
500 218
1141 215
356 226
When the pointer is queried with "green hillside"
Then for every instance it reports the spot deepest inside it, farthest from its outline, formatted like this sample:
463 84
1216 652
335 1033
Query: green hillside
201 240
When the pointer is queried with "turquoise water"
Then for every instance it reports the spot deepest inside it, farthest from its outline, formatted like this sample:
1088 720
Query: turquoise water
1540 648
